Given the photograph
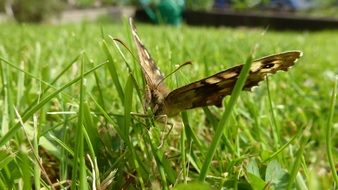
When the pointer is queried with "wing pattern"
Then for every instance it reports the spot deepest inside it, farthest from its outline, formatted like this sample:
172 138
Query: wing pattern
151 72
212 90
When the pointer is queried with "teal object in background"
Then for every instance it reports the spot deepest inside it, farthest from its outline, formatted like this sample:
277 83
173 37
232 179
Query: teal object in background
166 11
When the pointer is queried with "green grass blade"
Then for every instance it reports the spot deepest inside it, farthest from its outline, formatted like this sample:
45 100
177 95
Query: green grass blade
297 163
161 164
119 51
51 84
113 71
189 132
279 150
183 155
37 170
127 122
214 122
222 124
20 84
43 101
276 128
65 147
128 102
79 167
95 169
109 119
25 164
5 158
328 134
100 90
8 113
91 128
211 118
48 84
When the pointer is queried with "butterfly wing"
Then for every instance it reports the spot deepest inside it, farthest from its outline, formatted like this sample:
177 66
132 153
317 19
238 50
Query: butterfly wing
151 72
211 90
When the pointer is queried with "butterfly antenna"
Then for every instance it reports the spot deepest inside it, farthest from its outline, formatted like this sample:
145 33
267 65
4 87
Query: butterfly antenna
178 68
124 45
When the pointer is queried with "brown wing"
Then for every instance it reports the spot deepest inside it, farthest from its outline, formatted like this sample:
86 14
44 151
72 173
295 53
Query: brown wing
211 90
151 72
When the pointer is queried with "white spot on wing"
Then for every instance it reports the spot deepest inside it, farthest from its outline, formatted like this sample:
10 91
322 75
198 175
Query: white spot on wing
147 54
213 80
255 66
158 72
277 61
228 75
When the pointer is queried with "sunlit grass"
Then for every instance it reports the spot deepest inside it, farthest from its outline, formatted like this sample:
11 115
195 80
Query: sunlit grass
75 92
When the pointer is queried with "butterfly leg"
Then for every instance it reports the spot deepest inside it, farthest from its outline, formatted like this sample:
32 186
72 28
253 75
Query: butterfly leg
164 119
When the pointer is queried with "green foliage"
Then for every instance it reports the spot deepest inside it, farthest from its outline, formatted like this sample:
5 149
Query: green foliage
275 176
36 10
324 3
198 4
93 3
193 185
247 4
68 93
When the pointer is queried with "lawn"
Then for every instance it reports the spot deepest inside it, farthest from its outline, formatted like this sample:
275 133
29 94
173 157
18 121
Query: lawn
65 104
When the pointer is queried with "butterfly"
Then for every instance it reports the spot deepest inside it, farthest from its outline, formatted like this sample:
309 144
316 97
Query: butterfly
205 92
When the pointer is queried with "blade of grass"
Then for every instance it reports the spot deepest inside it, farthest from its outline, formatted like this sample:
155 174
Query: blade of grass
5 158
128 101
127 122
113 71
91 128
79 167
36 107
95 172
211 117
25 155
64 166
8 114
119 51
328 134
99 89
83 176
183 156
20 84
159 162
109 119
275 131
49 85
64 146
279 150
297 163
214 123
191 136
254 111
230 106
37 170
25 168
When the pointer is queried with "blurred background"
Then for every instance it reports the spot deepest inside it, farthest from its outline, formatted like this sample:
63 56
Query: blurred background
174 12
284 126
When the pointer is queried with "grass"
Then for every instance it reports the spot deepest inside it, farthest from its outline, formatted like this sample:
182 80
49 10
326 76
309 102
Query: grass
69 91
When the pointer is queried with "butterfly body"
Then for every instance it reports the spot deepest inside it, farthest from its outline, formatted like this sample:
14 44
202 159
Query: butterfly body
205 92
155 99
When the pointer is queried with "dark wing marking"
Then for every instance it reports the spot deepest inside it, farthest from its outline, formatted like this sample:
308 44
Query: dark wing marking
151 72
211 90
